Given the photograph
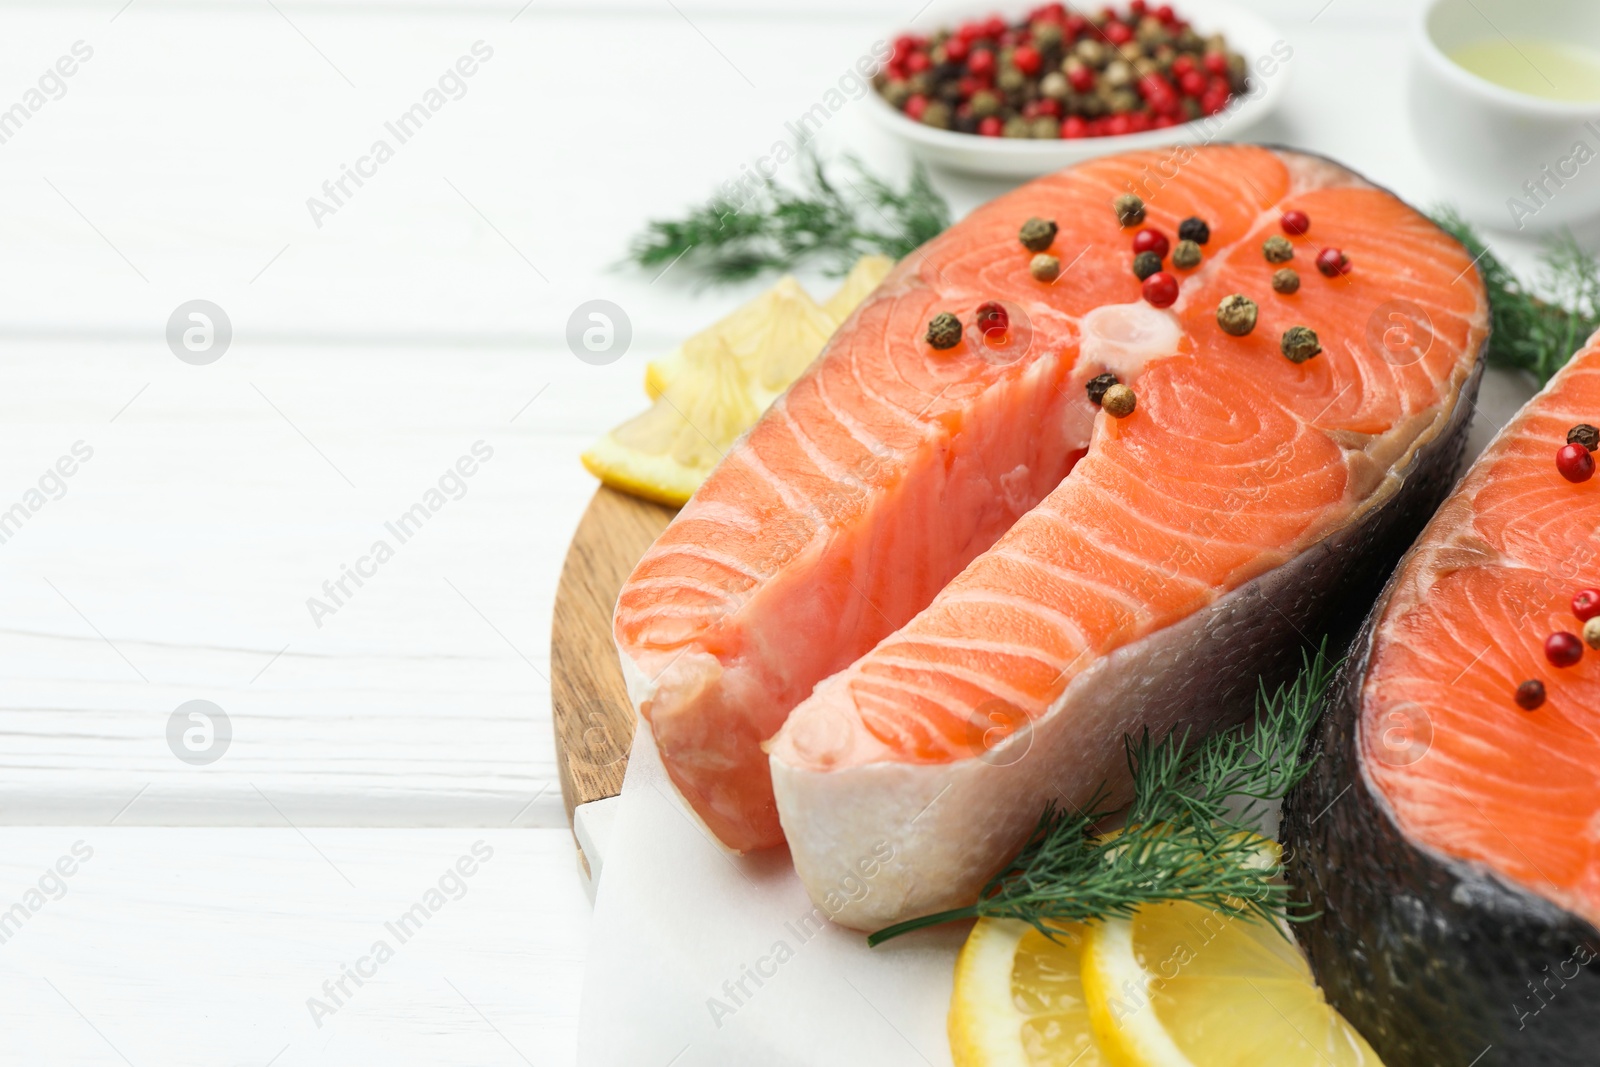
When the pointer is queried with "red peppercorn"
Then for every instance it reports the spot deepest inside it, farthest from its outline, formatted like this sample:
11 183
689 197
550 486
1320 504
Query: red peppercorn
981 63
904 45
970 31
1165 13
956 49
1081 79
1192 83
1530 694
992 318
917 62
1333 263
916 105
1139 121
1027 59
1163 121
1139 8
994 26
1213 102
1050 107
1563 649
1117 125
1161 289
1216 63
1073 126
1075 26
990 126
1148 240
1575 463
1296 223
1586 604
1117 32
1182 65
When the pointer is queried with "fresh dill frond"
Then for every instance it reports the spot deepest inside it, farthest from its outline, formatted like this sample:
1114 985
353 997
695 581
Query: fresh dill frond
1187 836
832 218
1534 328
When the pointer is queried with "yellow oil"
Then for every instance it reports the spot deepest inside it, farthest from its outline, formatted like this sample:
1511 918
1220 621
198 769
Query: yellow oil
1551 69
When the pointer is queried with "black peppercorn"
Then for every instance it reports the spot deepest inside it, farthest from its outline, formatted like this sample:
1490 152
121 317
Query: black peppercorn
1300 344
1193 229
1037 234
1098 385
1129 209
1146 264
944 330
1585 435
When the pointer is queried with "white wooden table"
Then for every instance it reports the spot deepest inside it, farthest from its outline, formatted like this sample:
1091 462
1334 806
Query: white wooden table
373 744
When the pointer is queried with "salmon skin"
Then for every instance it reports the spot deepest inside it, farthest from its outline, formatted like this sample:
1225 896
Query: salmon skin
995 578
1449 839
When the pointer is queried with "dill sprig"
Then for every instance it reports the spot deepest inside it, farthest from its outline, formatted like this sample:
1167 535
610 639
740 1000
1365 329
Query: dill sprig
1189 831
1534 328
833 219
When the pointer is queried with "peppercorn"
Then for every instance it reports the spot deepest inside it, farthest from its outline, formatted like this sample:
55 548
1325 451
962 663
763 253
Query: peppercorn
1037 234
1530 694
1285 281
1186 256
1044 267
1575 463
1277 249
1098 385
1236 315
1046 35
944 330
1017 126
1194 229
1118 401
992 318
1591 633
937 115
1585 435
1300 344
1011 80
1045 128
1129 209
1563 649
1054 86
1332 262
897 93
1146 264
985 102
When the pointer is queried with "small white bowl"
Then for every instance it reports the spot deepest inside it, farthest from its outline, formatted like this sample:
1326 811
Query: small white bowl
1268 53
1486 142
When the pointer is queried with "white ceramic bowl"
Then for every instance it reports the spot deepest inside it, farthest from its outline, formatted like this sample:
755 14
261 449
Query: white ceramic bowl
1269 54
1488 143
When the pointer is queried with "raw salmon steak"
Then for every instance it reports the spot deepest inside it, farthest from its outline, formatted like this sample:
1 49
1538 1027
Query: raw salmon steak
998 580
1449 837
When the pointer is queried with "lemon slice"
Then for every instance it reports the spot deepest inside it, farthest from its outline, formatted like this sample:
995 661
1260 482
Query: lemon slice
865 276
1019 1001
777 335
1180 985
665 453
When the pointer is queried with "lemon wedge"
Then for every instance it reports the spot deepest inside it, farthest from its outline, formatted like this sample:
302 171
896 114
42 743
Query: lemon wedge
1180 985
777 334
665 453
865 276
1019 1001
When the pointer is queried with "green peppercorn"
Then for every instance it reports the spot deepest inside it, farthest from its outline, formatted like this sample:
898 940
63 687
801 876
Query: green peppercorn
1118 401
1236 315
1055 86
1146 264
1044 267
1017 126
1037 234
1285 281
1186 256
1194 229
985 102
1300 344
1277 249
1129 209
896 92
944 330
1011 80
1046 128
1098 385
1046 35
1585 435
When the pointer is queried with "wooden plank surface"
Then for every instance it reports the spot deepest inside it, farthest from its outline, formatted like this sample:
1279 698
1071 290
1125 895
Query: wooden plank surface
590 708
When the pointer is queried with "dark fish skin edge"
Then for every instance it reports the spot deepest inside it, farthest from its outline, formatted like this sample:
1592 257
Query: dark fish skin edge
1431 958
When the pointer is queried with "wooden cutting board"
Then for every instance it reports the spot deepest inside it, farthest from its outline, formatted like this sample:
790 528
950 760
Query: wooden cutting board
589 702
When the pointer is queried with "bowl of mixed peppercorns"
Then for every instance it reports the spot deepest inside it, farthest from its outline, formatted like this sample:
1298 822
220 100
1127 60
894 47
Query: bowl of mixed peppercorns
1025 95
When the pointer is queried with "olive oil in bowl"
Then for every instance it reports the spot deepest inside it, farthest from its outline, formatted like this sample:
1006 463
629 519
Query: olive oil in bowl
1553 70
